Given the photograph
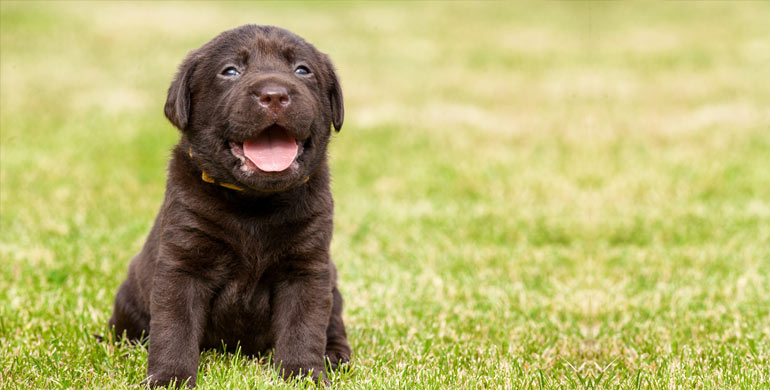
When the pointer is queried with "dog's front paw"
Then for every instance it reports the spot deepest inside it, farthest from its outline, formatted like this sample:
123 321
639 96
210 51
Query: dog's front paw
293 370
162 380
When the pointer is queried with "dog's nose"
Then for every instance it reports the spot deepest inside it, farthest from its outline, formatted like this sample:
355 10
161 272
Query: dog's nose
273 97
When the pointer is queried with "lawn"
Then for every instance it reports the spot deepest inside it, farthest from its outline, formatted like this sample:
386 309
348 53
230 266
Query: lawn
528 195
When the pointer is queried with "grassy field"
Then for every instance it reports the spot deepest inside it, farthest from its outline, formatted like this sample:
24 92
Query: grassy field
556 196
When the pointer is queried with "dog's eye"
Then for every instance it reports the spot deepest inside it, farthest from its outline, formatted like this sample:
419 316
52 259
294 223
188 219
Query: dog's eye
302 69
230 71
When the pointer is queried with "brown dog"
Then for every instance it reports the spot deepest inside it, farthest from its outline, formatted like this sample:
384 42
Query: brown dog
239 252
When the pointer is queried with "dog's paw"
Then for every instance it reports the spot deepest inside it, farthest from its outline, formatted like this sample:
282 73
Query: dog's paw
336 359
315 372
163 380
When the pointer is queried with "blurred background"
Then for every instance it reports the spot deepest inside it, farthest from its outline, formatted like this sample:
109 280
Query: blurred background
539 194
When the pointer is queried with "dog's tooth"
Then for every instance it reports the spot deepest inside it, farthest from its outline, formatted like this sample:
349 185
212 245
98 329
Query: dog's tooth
240 157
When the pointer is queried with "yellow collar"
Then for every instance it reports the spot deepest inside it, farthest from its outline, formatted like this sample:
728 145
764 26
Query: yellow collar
208 179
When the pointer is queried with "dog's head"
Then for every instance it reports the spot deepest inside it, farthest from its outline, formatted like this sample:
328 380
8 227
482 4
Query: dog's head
256 105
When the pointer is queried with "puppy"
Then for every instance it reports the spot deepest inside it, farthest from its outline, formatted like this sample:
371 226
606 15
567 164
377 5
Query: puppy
239 252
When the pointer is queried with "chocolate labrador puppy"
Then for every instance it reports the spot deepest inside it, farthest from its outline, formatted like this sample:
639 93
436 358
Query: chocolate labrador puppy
239 252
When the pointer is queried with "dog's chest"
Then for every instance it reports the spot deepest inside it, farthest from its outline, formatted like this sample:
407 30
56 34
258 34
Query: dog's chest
251 273
241 313
241 309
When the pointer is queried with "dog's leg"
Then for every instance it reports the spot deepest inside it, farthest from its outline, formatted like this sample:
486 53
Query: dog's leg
337 348
299 323
128 316
179 306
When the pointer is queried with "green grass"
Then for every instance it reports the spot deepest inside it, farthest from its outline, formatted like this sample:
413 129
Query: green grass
550 195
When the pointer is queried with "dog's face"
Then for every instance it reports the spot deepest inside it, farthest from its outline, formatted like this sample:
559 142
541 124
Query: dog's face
256 104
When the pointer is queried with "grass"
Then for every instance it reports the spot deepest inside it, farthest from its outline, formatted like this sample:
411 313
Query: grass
571 196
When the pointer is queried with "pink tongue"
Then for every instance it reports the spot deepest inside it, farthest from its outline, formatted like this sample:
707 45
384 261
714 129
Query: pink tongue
272 151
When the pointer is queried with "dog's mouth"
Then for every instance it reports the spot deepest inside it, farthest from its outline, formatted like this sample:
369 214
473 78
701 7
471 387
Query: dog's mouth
273 150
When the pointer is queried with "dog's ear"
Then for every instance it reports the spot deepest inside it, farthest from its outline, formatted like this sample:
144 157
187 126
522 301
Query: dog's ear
177 107
335 97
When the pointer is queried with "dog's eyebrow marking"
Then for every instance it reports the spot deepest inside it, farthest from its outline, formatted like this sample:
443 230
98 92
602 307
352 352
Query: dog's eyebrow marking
243 55
288 53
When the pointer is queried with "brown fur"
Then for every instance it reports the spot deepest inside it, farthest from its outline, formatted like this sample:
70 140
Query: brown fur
247 267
